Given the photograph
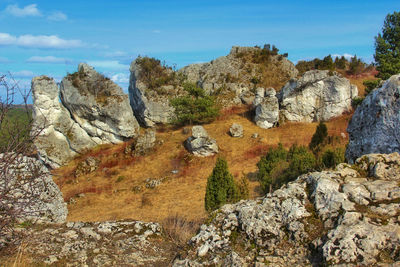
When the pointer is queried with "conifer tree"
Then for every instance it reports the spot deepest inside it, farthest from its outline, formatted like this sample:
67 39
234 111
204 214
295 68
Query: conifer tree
221 187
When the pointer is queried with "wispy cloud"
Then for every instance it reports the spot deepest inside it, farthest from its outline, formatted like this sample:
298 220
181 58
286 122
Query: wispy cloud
57 16
39 41
347 56
4 60
49 59
108 64
156 31
27 11
23 74
120 78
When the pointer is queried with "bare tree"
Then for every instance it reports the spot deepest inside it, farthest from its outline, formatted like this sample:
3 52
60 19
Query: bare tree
20 174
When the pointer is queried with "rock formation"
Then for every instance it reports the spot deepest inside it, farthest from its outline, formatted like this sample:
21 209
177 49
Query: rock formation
346 216
27 185
93 110
266 108
98 105
374 127
236 130
316 96
228 77
200 144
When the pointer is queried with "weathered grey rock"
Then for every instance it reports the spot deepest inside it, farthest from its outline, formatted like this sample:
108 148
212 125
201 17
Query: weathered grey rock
98 105
328 217
200 144
316 96
266 108
145 142
149 106
374 127
27 186
236 130
59 137
86 166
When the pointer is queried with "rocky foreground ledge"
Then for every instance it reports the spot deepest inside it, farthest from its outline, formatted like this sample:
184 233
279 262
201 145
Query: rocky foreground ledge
350 216
347 216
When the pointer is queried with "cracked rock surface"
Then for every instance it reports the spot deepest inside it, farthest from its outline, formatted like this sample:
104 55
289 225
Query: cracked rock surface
346 216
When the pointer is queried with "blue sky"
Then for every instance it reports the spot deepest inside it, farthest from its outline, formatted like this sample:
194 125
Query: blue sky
52 37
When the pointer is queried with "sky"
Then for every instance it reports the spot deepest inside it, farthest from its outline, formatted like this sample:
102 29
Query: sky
52 37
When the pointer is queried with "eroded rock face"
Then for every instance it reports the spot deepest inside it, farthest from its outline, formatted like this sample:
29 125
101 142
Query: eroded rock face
149 106
26 184
266 108
374 127
60 136
93 110
122 243
348 216
200 143
316 96
98 105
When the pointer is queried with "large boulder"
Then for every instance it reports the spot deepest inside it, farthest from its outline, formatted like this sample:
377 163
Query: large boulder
348 216
266 108
374 127
88 110
150 105
59 137
98 105
316 96
26 185
200 143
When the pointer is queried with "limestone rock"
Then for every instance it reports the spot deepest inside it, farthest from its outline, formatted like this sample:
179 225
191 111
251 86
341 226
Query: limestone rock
374 127
316 96
236 130
27 185
200 144
149 106
60 137
89 165
266 108
328 217
98 105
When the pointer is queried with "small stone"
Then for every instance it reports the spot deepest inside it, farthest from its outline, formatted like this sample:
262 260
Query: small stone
236 130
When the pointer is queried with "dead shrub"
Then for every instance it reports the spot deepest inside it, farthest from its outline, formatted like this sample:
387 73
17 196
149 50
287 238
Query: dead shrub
179 229
146 201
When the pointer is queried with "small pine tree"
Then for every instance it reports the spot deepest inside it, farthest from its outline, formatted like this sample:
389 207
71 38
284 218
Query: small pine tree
221 187
319 137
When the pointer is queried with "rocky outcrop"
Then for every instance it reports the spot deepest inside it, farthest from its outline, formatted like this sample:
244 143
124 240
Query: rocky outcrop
122 243
98 105
59 137
150 105
200 143
27 187
143 144
229 78
93 110
237 71
374 127
316 96
266 108
236 130
348 216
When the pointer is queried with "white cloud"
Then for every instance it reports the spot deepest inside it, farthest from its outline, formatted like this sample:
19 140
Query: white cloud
156 31
347 56
39 41
4 60
120 78
48 59
108 64
57 16
116 54
29 10
23 74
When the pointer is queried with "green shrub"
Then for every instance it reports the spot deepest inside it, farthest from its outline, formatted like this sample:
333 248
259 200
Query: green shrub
331 158
195 108
355 102
155 74
242 187
371 85
320 135
15 128
280 166
221 187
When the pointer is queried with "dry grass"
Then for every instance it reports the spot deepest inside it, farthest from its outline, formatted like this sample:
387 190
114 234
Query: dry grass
107 198
179 229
